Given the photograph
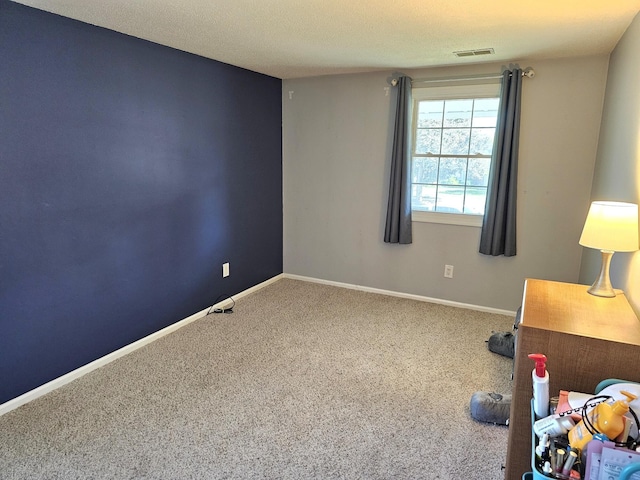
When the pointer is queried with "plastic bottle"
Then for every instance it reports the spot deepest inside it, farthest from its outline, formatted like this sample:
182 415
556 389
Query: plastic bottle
606 419
540 378
553 425
542 450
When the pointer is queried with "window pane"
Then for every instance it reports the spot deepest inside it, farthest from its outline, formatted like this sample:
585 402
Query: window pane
450 199
425 170
455 141
475 200
478 172
482 141
457 113
485 112
423 197
428 141
448 174
453 171
430 114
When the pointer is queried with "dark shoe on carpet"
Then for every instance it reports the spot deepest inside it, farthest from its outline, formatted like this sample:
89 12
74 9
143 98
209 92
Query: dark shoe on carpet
491 407
502 343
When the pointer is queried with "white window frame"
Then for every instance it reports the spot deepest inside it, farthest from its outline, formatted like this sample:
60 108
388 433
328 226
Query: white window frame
450 92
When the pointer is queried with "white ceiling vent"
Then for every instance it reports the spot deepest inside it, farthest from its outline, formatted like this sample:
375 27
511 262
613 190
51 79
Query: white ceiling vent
473 53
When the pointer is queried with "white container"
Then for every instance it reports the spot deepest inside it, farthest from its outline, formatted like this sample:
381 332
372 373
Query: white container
553 425
540 378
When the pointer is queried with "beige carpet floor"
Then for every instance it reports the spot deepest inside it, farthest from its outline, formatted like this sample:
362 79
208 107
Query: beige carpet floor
301 381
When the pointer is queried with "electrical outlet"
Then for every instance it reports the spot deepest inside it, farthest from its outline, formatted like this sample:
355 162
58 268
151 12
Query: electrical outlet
448 271
225 270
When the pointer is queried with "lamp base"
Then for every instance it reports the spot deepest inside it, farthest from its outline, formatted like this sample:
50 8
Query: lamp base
602 286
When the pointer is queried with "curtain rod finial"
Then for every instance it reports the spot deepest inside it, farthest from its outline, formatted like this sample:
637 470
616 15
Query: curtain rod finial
394 82
529 73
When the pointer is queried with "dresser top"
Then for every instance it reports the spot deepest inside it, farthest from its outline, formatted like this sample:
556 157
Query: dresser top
568 308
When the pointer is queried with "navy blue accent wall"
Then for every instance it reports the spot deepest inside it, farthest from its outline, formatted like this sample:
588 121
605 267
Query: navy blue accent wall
129 172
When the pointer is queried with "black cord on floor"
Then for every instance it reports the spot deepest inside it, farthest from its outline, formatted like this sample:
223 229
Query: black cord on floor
222 310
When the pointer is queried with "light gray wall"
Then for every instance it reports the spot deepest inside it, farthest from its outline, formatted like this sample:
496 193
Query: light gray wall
617 172
336 143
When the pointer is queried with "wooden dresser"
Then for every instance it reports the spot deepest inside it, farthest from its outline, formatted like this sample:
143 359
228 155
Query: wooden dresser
586 339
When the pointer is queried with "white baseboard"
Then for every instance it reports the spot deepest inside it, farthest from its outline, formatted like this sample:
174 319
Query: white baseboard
411 296
79 372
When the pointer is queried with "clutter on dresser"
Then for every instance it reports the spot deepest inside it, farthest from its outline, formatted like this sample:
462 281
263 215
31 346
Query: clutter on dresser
584 436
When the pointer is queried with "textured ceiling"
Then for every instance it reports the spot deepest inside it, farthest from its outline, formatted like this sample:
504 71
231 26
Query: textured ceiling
299 38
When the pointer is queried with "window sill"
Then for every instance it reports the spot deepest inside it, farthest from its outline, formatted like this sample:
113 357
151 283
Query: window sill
447 218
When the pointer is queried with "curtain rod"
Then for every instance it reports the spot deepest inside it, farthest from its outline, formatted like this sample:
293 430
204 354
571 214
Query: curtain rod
529 73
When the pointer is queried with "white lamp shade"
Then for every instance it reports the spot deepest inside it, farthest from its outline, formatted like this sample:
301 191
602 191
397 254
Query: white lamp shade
611 226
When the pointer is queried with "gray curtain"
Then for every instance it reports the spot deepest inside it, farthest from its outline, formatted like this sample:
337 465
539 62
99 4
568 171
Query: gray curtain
498 235
398 225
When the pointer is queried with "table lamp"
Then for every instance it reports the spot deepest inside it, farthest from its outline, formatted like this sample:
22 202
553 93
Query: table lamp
610 227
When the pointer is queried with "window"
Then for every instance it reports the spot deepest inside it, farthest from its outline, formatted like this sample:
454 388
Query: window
453 131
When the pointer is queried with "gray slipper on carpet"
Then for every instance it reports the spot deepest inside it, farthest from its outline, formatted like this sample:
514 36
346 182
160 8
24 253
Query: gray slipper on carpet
502 343
491 407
